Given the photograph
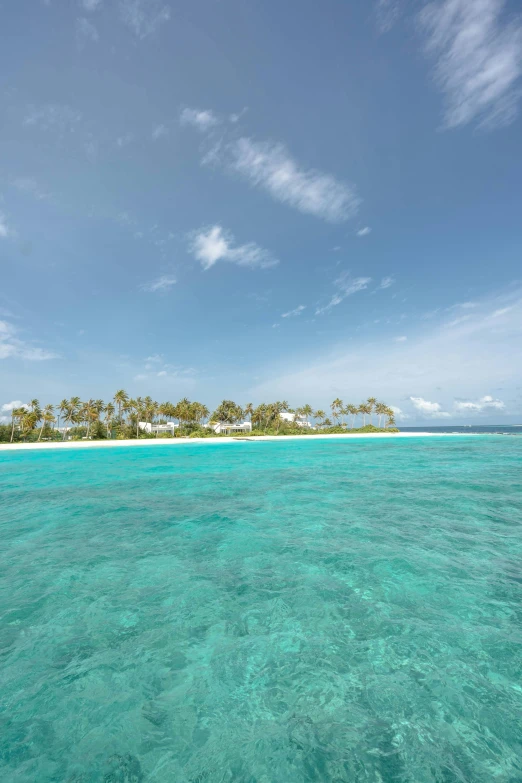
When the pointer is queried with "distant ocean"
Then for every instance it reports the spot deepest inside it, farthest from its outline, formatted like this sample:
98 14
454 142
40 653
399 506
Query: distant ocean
485 429
336 611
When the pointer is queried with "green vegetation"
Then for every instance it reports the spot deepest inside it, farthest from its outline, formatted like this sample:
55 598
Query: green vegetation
121 419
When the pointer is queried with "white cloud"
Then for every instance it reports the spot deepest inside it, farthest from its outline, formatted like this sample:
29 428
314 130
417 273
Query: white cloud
159 132
203 120
501 311
8 407
162 373
292 313
13 347
144 17
386 282
431 409
461 361
91 5
4 228
213 244
53 117
125 140
346 286
363 232
163 283
270 167
85 32
387 13
32 188
478 58
460 320
483 405
401 339
399 413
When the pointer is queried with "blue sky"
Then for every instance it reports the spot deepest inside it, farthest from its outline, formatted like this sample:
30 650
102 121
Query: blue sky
263 201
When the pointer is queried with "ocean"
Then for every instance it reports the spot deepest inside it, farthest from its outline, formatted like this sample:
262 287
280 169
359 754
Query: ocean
263 612
469 429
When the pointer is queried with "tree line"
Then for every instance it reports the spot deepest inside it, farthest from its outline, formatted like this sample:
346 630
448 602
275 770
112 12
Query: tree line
123 414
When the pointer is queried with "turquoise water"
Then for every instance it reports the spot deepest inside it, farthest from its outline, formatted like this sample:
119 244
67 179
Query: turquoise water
269 612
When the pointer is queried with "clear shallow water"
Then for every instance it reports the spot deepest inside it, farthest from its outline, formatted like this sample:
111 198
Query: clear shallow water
263 613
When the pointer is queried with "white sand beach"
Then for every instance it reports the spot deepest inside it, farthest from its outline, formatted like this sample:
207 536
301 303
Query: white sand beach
108 444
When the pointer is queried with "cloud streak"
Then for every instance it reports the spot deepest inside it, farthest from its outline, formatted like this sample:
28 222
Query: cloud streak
271 168
293 313
213 244
435 364
346 286
201 119
5 231
144 17
160 284
478 60
13 347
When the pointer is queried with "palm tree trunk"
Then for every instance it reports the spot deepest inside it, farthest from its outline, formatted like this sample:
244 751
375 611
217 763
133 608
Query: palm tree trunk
41 430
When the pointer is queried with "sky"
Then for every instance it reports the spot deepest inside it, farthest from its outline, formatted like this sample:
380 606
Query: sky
257 201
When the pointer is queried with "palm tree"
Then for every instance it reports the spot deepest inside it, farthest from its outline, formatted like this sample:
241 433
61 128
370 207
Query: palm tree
321 415
120 398
364 410
307 411
71 412
371 402
352 410
228 412
380 410
249 410
47 418
336 408
16 417
109 411
391 418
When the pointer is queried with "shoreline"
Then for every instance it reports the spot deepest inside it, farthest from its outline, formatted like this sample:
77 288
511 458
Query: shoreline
104 444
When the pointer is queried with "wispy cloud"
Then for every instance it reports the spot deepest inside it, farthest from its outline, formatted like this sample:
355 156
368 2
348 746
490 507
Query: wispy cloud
363 232
435 364
5 231
478 60
213 244
501 311
125 140
401 339
271 168
159 132
386 282
399 413
433 410
387 12
144 17
86 32
8 407
483 405
53 117
90 5
346 286
14 347
160 284
31 187
293 313
201 119
459 320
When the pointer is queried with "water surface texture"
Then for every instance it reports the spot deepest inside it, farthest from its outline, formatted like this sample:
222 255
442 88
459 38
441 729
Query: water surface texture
267 612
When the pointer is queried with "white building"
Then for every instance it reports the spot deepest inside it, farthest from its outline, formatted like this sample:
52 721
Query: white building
292 418
158 429
222 428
